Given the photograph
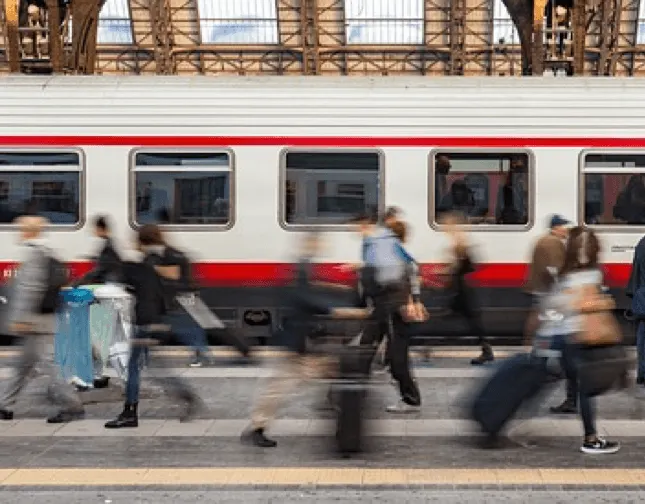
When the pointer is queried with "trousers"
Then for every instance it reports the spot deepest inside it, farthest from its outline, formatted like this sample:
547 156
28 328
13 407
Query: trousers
172 384
37 357
290 373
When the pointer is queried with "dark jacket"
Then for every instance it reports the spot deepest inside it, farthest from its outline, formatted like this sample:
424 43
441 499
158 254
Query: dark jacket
145 285
637 276
170 256
108 266
305 305
548 253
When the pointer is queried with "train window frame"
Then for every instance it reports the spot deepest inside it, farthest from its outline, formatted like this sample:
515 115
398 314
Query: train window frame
503 228
282 181
82 184
582 171
132 171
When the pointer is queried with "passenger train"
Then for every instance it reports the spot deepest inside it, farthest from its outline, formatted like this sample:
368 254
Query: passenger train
243 166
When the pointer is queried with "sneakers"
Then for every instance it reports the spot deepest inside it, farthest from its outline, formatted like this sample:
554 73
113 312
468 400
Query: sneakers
257 438
566 408
200 360
600 447
403 407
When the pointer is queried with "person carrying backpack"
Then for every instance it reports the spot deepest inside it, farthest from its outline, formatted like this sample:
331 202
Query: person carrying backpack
32 306
149 310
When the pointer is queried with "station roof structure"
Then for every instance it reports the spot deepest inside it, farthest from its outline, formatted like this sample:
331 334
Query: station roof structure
345 37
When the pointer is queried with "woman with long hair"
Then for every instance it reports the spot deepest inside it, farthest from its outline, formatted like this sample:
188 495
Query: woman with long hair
580 279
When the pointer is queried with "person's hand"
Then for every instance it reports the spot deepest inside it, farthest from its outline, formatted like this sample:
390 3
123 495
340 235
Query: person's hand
415 312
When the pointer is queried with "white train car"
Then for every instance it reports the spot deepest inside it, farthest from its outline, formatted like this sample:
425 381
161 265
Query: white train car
244 165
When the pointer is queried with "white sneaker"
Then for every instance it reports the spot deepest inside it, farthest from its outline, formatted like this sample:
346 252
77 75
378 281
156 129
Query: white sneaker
403 407
600 446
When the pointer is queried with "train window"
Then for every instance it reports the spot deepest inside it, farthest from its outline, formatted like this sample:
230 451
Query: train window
46 183
486 187
328 188
180 188
614 189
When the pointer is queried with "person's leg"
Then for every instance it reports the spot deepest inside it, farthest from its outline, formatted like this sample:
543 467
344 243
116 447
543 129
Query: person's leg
59 392
22 373
569 406
592 444
473 316
129 416
400 366
190 334
640 352
286 378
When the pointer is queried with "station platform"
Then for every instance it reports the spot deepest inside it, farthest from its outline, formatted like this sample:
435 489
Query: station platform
431 456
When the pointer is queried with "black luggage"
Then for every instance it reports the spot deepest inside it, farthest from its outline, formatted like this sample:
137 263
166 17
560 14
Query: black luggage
350 393
517 380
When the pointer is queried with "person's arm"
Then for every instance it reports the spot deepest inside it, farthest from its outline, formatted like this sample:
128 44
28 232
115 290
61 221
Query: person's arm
413 272
30 287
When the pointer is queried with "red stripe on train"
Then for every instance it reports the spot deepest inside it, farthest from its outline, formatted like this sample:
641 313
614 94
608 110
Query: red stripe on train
319 141
497 275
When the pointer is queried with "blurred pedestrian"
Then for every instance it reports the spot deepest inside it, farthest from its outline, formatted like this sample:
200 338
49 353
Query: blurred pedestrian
459 265
578 294
301 364
547 259
108 262
150 308
29 320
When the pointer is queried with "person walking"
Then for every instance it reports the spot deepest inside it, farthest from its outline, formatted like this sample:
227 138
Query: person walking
301 364
35 327
460 264
150 308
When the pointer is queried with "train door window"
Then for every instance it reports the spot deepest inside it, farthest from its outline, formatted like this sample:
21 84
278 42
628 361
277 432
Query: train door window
180 188
46 183
487 187
614 188
323 188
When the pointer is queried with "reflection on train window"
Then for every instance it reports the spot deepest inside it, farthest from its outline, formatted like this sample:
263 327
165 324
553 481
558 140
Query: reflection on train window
613 193
486 187
182 188
329 188
42 183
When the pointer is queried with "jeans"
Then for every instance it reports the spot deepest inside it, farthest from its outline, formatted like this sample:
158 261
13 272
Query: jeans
570 358
176 386
187 331
640 349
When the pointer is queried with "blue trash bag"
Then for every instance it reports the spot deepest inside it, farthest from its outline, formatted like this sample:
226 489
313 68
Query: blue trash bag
73 345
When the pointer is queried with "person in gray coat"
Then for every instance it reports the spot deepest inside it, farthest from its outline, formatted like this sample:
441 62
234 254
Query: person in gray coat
36 329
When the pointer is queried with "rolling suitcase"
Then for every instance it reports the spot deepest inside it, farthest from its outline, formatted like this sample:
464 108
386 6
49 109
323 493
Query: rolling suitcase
350 393
517 380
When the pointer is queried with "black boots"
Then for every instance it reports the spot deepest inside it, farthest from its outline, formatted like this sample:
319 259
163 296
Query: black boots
6 414
258 438
486 356
127 418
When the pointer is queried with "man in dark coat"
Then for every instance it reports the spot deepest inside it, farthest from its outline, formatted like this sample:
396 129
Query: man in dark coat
637 282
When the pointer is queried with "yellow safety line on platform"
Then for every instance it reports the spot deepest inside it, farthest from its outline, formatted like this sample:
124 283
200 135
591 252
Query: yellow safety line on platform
290 476
182 352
